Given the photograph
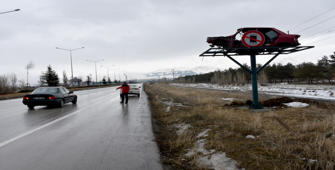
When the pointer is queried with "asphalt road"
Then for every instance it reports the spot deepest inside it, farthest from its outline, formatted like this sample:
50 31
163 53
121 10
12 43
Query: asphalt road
96 133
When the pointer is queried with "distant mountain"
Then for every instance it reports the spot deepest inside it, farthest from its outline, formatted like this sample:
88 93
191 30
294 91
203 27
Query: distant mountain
180 71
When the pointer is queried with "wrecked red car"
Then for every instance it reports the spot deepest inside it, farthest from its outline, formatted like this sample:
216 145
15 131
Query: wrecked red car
272 37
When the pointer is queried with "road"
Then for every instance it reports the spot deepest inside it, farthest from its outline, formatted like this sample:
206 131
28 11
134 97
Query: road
96 133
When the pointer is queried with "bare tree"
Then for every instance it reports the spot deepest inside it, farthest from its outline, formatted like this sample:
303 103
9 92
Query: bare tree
22 83
28 67
65 79
13 80
89 79
4 84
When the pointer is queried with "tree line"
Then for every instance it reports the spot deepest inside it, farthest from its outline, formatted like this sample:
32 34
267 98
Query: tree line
305 72
51 78
9 83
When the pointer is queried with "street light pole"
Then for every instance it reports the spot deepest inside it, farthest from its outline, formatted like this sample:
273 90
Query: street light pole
10 11
126 77
119 75
95 62
70 57
114 75
107 71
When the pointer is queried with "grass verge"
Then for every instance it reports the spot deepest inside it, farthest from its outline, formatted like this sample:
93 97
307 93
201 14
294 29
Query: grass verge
288 138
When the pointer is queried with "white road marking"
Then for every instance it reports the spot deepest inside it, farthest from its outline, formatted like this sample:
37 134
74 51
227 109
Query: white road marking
44 126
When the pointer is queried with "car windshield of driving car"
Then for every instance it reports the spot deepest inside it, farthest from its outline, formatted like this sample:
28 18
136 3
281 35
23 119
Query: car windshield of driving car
45 90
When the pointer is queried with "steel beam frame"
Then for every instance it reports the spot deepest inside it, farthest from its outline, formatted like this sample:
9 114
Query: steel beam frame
252 52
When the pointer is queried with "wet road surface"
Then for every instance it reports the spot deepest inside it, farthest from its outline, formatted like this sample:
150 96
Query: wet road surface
96 133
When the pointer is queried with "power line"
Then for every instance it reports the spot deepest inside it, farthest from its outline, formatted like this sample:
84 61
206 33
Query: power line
321 39
321 33
311 19
316 24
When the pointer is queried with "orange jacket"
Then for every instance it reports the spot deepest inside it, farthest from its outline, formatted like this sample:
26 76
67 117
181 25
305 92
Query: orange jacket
125 89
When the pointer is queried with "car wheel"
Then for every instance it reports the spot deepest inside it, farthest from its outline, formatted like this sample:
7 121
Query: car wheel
31 106
74 101
61 104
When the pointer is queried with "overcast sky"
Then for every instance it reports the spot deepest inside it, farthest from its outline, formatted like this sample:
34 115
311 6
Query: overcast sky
145 35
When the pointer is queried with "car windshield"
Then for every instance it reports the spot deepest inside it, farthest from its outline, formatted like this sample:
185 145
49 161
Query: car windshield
133 86
46 90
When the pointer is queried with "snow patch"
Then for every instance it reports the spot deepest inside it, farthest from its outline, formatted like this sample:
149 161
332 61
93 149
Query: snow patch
210 159
296 104
200 147
250 137
219 161
229 99
203 134
170 103
291 90
182 128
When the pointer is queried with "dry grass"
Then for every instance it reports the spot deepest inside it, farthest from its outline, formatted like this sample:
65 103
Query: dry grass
289 138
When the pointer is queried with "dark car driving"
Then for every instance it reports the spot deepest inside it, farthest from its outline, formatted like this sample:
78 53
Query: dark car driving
49 96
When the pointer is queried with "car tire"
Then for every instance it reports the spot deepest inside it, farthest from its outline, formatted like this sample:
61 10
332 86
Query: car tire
74 101
61 104
31 106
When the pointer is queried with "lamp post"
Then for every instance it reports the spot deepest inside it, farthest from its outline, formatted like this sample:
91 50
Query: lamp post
126 77
119 75
10 11
95 62
70 57
107 71
114 74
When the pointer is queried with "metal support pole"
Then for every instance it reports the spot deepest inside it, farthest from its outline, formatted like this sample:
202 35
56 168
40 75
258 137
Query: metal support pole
255 104
71 65
70 58
267 63
242 66
96 74
114 76
95 63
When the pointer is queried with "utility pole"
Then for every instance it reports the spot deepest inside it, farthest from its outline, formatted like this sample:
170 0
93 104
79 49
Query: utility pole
173 74
173 71
119 75
70 58
95 62
108 72
126 77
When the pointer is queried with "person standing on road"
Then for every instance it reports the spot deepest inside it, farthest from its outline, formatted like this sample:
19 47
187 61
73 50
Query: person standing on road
125 89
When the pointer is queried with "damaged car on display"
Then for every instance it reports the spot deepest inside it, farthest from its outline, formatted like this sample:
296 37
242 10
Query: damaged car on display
260 36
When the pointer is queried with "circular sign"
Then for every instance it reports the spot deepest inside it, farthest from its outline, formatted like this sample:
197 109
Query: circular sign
253 39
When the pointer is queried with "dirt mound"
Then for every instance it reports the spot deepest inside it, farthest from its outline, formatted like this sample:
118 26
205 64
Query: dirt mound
318 104
276 102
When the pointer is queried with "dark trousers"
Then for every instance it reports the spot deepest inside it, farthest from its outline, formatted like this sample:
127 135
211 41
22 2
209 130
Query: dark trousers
122 97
